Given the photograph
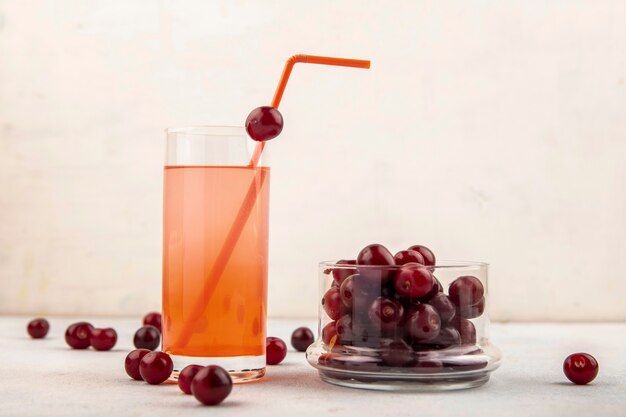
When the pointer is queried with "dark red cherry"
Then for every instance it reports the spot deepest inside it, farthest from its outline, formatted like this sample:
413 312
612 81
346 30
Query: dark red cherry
447 337
155 367
332 303
147 337
275 350
359 293
466 330
264 123
429 256
386 313
376 275
437 288
406 256
103 339
466 291
340 274
413 280
444 307
211 385
375 255
38 328
78 334
396 352
302 338
344 329
153 319
368 335
131 363
423 323
329 333
580 368
346 290
471 312
186 376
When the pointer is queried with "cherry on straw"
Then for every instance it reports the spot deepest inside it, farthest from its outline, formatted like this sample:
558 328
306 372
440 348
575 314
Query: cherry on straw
257 183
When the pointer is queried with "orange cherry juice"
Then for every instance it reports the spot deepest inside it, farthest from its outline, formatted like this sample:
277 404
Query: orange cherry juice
200 206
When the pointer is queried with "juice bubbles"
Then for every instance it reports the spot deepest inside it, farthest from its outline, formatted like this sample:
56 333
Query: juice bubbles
201 204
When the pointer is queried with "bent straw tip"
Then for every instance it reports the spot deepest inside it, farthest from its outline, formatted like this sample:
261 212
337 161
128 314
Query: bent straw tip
327 60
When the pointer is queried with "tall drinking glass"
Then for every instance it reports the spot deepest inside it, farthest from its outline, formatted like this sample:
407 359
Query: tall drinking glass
215 239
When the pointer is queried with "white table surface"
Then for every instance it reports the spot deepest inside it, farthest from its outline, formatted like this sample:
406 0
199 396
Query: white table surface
46 378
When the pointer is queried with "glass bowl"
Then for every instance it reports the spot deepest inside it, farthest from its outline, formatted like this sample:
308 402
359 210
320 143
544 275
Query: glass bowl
406 327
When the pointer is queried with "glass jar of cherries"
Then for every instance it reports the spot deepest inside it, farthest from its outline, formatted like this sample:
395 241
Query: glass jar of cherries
403 322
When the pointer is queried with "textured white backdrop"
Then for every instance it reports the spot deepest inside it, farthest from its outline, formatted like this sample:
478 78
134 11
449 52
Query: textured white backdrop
491 131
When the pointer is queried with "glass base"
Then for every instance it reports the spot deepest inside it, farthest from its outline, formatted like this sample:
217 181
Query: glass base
430 383
241 368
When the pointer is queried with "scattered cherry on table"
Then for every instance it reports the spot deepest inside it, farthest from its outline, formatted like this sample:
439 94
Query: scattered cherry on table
78 335
155 367
153 319
211 385
38 328
302 338
580 368
275 350
103 339
147 337
131 363
186 376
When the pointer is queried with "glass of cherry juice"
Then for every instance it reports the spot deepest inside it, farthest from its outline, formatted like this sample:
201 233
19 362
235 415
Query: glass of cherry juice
404 326
214 264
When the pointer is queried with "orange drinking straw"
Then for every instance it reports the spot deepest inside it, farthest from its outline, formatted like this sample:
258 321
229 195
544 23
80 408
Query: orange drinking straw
280 89
251 196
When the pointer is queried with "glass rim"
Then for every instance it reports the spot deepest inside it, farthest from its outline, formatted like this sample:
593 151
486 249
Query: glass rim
208 130
444 264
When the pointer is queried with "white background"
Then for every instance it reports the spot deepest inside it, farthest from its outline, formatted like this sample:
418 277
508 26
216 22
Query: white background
487 130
